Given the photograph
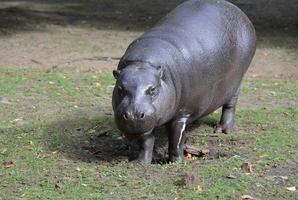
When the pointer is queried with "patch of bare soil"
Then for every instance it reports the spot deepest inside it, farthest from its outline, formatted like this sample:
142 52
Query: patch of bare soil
91 33
92 48
65 47
270 63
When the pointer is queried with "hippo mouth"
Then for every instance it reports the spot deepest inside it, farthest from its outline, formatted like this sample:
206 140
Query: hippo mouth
135 128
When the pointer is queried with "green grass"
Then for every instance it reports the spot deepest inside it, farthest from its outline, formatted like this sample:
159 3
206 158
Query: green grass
278 89
72 112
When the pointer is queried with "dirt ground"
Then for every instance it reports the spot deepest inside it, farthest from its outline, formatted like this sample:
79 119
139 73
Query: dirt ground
78 47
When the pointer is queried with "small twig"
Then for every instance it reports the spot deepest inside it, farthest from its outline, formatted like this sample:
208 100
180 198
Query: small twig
37 62
96 152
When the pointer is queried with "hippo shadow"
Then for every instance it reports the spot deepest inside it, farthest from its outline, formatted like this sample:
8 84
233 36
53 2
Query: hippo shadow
97 139
88 139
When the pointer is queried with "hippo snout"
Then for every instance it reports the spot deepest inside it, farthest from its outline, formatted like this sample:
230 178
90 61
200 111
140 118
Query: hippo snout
136 121
133 116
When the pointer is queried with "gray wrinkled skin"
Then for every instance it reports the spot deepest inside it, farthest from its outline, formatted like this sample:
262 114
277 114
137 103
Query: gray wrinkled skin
188 65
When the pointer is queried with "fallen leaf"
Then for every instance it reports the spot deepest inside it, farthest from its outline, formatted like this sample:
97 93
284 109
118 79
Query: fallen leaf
292 189
247 197
263 155
231 176
8 164
97 84
78 169
67 178
286 113
3 151
247 167
200 188
284 177
273 93
16 120
56 184
188 156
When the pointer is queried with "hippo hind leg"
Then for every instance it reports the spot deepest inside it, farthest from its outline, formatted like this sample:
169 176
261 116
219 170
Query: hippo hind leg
227 118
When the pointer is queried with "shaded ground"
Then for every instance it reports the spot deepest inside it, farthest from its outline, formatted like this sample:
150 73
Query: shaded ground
56 122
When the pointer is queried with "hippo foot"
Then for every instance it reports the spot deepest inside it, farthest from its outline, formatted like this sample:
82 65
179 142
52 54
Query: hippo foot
143 158
222 129
141 161
146 143
176 158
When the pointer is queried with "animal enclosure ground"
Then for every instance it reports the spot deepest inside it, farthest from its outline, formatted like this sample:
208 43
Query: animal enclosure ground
57 135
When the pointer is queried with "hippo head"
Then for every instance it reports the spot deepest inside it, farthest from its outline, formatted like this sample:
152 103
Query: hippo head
135 94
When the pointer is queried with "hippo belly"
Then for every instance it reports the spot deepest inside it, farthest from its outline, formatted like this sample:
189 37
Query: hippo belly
194 59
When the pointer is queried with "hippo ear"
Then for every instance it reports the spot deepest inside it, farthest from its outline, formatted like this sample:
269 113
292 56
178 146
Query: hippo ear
160 70
116 73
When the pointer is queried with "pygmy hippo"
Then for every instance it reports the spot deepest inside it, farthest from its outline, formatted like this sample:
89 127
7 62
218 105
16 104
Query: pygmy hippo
187 66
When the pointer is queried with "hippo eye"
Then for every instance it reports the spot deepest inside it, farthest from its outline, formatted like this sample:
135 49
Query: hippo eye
121 90
151 91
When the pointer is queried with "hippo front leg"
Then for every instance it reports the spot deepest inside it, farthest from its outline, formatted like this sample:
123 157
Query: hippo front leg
176 134
146 143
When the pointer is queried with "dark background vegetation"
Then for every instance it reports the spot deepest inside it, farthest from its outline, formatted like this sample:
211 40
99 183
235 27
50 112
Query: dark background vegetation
130 14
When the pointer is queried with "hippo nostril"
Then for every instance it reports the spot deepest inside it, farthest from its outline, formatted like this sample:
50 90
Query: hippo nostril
125 116
142 115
